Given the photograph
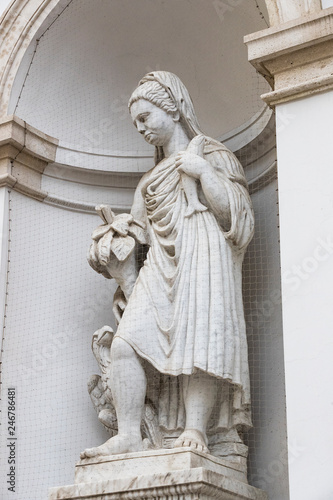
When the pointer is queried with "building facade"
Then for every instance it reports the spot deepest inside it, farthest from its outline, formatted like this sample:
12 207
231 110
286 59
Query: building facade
67 144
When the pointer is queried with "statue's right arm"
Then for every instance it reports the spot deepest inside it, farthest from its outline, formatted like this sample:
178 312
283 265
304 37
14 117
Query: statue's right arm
130 270
138 209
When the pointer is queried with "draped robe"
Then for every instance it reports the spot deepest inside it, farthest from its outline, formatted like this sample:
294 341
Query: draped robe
185 313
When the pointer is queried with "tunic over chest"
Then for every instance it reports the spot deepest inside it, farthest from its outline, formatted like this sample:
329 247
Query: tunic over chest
186 311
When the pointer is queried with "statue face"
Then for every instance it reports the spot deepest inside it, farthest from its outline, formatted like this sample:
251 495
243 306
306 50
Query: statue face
156 125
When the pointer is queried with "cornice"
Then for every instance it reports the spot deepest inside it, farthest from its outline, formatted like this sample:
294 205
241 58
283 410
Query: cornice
27 156
93 177
295 57
24 154
70 156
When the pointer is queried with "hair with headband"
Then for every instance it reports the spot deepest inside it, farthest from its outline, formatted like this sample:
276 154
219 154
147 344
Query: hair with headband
166 91
156 94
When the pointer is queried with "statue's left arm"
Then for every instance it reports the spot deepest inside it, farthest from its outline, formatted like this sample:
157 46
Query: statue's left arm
224 187
138 209
216 195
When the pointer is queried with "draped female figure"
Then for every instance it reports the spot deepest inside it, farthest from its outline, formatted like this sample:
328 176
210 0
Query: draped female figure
183 325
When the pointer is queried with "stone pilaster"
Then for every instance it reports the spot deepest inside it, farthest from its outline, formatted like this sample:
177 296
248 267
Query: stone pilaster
296 57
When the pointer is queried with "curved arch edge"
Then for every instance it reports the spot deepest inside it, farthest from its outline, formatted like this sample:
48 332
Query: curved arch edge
28 16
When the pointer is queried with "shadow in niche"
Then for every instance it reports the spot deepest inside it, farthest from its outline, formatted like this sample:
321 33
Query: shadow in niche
267 440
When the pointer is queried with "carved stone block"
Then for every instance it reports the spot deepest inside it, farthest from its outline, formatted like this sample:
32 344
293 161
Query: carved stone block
181 474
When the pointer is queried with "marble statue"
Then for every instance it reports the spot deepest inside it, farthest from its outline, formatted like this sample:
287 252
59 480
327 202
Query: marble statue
175 373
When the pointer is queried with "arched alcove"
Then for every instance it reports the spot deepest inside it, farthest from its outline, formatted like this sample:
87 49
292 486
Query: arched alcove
70 67
76 75
27 19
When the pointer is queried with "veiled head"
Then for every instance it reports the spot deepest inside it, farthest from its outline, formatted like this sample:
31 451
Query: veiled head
166 91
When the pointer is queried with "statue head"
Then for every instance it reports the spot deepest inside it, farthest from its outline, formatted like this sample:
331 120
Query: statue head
166 91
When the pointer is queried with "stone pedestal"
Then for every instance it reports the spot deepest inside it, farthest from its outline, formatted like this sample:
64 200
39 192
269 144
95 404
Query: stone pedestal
158 474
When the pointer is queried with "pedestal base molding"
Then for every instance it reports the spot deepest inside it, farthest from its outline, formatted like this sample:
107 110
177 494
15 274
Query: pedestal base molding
164 474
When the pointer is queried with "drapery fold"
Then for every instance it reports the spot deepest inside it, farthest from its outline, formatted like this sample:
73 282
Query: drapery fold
186 311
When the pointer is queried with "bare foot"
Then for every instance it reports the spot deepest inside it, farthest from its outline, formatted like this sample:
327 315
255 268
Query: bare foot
191 438
114 446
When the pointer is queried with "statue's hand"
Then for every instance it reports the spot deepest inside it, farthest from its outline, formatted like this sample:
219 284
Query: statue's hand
191 161
115 238
112 251
191 164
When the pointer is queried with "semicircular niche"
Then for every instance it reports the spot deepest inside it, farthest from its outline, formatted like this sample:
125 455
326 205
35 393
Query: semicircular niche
77 75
